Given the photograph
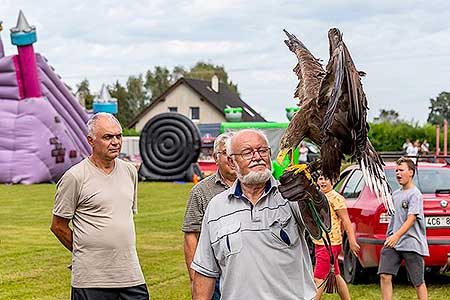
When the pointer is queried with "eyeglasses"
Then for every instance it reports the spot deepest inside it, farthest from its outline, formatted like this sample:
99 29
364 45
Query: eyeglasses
248 154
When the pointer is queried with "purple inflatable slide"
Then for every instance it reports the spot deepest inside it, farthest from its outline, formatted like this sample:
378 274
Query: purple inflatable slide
42 125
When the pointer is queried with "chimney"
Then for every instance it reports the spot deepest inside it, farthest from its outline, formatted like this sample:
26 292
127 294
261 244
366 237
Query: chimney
215 83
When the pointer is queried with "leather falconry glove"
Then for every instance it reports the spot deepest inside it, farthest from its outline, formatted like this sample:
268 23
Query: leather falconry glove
313 204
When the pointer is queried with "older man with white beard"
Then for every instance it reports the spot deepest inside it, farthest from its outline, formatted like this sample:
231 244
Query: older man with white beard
251 235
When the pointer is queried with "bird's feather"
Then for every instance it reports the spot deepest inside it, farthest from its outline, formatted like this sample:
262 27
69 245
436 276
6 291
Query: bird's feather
308 69
333 113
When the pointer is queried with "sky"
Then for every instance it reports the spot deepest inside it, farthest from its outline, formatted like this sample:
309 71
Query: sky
403 46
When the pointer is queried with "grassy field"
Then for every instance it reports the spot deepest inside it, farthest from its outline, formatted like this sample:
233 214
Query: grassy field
33 264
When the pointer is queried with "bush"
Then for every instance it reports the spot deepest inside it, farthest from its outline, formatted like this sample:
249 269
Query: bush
391 136
130 132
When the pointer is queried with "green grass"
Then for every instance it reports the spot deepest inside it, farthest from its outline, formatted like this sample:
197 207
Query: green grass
33 264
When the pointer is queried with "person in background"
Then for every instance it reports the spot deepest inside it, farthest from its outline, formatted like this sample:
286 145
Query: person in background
405 146
99 196
406 236
412 150
199 198
303 153
339 217
417 147
425 147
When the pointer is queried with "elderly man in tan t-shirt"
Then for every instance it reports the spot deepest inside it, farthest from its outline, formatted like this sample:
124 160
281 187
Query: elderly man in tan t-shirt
99 196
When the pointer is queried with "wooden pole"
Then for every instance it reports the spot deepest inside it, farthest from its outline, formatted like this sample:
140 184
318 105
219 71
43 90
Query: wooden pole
445 136
438 133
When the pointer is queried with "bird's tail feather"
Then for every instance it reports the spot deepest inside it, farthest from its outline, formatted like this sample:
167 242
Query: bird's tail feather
372 168
330 154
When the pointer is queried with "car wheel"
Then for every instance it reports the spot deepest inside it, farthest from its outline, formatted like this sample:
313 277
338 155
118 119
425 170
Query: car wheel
353 272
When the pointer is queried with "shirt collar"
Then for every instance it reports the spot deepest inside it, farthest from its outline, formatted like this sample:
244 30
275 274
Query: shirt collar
236 188
219 179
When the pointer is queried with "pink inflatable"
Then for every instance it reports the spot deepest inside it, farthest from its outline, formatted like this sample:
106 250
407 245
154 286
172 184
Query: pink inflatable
42 125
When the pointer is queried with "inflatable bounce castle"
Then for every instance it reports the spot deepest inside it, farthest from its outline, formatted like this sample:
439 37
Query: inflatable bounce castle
43 127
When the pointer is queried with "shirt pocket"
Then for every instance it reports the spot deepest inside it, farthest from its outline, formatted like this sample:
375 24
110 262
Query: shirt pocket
284 232
229 239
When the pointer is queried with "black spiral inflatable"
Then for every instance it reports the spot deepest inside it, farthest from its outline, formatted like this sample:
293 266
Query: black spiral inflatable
169 145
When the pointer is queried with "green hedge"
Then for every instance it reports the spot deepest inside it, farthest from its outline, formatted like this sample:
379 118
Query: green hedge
130 132
384 136
391 136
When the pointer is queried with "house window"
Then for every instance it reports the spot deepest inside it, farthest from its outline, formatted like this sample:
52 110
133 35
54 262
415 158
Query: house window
195 113
173 109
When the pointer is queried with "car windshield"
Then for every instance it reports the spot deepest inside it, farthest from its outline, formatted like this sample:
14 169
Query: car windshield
427 180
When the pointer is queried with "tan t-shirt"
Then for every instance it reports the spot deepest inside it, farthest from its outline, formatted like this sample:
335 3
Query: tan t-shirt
336 202
101 208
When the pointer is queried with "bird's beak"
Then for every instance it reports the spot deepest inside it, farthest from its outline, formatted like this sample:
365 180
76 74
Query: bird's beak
281 155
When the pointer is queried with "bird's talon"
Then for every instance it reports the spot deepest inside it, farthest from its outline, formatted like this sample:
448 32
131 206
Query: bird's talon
301 168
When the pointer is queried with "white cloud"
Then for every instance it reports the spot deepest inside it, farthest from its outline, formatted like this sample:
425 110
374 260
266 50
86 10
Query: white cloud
402 45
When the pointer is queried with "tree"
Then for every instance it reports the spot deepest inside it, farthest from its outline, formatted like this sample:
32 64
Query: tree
139 92
84 93
137 95
177 73
206 71
125 110
157 82
388 116
439 109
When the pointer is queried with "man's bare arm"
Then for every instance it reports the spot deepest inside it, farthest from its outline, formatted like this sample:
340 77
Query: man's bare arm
60 228
190 244
203 287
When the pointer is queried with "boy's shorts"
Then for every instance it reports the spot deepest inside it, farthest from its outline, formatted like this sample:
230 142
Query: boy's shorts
323 261
390 263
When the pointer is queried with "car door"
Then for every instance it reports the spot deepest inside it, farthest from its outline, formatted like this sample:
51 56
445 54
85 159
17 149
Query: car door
352 188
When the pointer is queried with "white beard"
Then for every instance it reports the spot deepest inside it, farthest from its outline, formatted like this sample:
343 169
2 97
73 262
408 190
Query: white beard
254 177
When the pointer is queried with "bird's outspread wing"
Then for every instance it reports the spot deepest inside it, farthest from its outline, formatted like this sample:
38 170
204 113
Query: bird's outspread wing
308 69
346 88
310 74
346 94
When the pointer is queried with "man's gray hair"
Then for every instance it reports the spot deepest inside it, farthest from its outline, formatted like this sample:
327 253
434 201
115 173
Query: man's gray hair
222 138
93 120
255 130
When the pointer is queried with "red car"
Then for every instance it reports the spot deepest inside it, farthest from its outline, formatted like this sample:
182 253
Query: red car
370 220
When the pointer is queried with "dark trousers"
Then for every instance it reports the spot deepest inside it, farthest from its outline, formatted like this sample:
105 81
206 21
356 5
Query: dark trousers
138 292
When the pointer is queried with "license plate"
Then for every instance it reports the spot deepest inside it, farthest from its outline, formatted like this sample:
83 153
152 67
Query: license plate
438 222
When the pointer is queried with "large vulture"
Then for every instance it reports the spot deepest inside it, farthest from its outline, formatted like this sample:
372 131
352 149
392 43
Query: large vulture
333 110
